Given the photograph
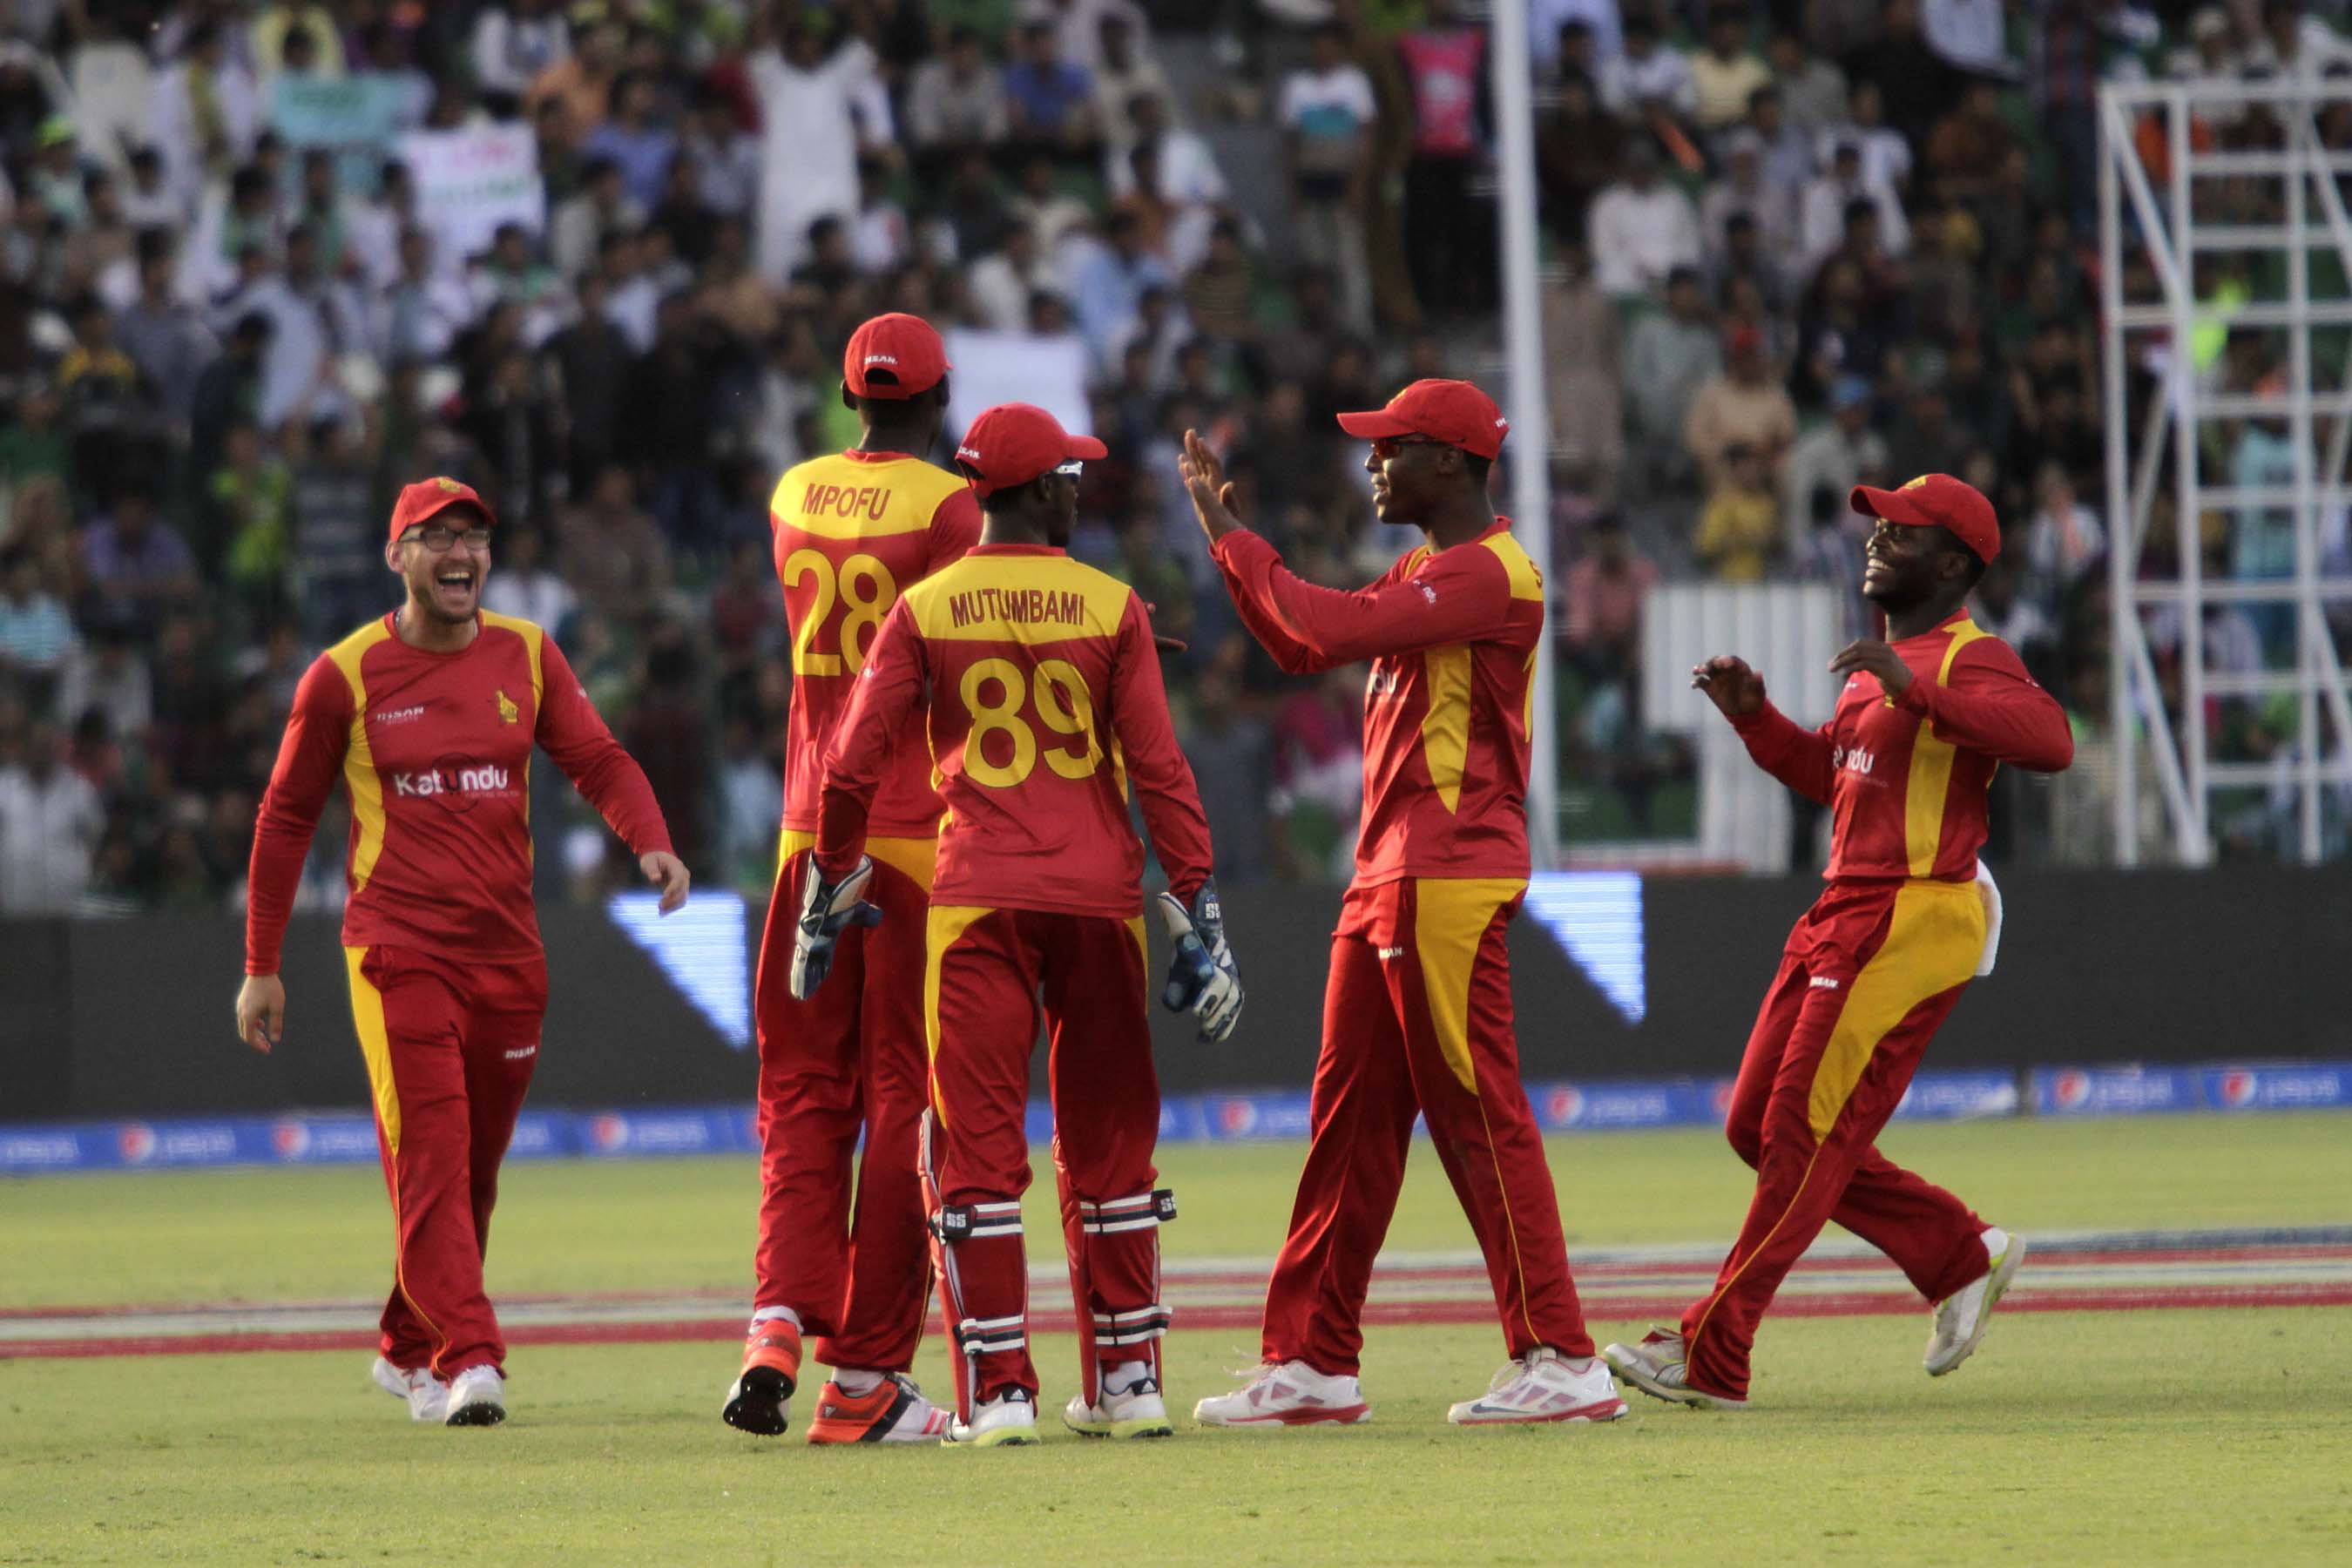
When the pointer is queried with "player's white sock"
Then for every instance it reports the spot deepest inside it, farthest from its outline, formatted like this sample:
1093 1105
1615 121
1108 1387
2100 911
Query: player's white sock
1125 1375
770 1314
855 1381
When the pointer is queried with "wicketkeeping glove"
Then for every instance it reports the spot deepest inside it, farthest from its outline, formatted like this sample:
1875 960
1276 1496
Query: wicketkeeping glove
827 908
1202 979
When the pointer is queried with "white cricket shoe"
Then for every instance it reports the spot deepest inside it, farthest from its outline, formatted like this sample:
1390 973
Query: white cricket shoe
1962 1317
1006 1421
1287 1394
477 1398
1136 1411
1547 1386
1660 1367
428 1396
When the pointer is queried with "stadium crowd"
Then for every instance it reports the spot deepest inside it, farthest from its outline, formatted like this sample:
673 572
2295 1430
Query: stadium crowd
260 263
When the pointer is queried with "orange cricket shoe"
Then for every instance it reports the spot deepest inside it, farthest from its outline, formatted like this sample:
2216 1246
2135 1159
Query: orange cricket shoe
761 1401
894 1411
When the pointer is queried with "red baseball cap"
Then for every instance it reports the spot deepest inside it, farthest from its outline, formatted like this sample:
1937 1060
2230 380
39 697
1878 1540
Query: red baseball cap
1936 500
1013 443
1454 412
428 498
909 347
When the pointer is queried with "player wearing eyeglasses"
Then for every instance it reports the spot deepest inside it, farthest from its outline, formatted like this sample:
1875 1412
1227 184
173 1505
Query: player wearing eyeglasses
428 715
1417 1013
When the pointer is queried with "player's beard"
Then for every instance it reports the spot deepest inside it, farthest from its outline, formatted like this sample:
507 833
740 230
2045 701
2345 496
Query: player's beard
428 601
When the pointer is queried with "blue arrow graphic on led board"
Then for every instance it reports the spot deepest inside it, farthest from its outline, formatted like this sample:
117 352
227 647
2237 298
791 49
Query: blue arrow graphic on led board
700 948
1596 918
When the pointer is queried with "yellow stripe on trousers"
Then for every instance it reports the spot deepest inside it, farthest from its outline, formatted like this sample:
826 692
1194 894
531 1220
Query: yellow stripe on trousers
947 922
1933 938
1450 917
375 1049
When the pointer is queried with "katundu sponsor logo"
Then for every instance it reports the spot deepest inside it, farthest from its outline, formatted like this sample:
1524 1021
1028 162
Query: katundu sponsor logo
1857 761
454 778
401 715
1383 683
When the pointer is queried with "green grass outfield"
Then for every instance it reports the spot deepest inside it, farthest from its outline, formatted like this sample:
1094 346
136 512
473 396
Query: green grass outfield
2217 1436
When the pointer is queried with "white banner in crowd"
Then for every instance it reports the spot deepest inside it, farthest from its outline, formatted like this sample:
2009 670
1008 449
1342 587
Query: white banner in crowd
355 117
1004 367
470 182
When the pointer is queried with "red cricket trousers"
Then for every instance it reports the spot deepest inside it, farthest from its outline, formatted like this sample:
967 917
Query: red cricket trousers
991 973
846 1061
450 1045
1869 974
1417 1016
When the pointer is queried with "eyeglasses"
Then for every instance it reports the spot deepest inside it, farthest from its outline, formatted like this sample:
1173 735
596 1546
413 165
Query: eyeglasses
1387 446
438 537
1073 469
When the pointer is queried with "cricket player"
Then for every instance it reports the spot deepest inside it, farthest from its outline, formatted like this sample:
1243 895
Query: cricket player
428 716
1039 681
1417 1012
852 531
1875 965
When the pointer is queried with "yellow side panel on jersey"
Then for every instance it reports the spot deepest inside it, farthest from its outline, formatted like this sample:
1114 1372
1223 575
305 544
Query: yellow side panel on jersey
1450 917
375 1047
1445 728
1930 777
1527 583
841 498
1933 939
533 638
946 923
360 778
915 859
1018 599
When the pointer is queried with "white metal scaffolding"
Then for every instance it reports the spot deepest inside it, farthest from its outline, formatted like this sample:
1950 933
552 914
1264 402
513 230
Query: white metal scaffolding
2188 218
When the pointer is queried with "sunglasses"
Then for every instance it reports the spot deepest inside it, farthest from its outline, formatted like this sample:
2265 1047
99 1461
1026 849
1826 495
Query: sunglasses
1073 468
1387 446
438 537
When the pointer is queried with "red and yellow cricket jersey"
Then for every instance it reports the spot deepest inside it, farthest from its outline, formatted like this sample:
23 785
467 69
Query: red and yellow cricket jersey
1038 684
1452 635
434 751
851 533
1906 775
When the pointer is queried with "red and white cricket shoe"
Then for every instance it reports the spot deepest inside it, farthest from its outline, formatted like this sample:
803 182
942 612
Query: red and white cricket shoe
1546 1386
1290 1394
428 1396
1660 1367
893 1411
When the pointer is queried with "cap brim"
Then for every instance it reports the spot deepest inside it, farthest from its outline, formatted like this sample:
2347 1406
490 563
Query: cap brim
1085 449
1892 505
1374 424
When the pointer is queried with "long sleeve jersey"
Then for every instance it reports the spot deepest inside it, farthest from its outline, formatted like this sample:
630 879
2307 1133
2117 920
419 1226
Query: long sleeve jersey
1038 684
1907 776
1452 635
851 533
434 751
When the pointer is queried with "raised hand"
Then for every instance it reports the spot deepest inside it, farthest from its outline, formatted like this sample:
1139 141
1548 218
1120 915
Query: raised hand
1878 659
1205 481
1735 689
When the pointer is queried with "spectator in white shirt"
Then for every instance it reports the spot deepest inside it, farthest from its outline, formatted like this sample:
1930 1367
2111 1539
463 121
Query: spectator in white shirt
1002 281
1641 228
1122 74
1743 188
1648 72
956 99
50 819
1327 116
1822 222
1886 156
